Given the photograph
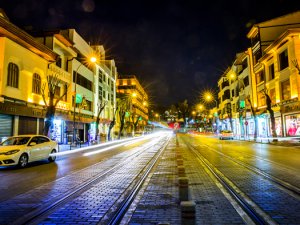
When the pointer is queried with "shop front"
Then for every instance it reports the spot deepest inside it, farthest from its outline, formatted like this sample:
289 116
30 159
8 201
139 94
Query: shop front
291 119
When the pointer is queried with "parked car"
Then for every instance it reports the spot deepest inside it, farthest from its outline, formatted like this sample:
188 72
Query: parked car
22 149
226 134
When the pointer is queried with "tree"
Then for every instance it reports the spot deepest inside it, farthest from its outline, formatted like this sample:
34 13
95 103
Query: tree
183 108
101 106
272 117
123 107
53 83
135 122
112 124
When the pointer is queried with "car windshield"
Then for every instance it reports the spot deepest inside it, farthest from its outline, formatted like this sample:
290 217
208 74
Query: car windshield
15 141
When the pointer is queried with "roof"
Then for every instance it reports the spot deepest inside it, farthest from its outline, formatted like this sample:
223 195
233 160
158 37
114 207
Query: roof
285 20
12 32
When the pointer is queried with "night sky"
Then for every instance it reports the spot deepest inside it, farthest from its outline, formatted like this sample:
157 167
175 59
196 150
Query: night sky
177 49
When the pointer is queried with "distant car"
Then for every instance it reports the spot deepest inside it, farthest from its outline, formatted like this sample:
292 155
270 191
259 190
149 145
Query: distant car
226 134
22 149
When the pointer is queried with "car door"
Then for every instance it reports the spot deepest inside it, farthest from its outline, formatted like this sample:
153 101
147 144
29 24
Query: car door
45 147
34 150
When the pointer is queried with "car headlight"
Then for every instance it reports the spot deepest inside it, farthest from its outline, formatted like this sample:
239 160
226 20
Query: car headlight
11 152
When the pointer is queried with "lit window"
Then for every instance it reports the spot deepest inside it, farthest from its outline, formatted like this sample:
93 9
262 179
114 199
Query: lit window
285 90
13 75
272 96
36 83
261 99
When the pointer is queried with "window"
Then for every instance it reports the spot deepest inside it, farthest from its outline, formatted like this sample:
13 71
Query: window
65 91
57 92
226 95
100 76
100 92
58 62
261 99
272 95
36 83
82 81
285 90
260 77
256 56
246 81
271 72
112 86
13 75
283 60
88 105
104 95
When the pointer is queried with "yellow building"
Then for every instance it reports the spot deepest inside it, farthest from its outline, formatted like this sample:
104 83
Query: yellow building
26 61
23 68
130 85
275 51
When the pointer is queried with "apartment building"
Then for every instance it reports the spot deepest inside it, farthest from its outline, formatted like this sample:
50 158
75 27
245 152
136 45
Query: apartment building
269 66
275 46
129 85
27 61
23 67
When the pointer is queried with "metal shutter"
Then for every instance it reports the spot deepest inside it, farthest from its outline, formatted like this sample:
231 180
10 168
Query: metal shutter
27 125
6 125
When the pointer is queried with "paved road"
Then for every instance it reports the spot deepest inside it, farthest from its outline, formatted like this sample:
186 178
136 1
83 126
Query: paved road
159 200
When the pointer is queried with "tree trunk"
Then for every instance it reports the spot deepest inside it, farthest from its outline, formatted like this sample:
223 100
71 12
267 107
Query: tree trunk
97 128
50 113
122 117
272 118
111 125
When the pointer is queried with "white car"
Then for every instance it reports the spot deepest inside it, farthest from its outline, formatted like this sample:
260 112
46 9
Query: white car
22 149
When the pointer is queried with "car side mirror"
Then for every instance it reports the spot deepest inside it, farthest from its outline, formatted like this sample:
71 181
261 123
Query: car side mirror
32 143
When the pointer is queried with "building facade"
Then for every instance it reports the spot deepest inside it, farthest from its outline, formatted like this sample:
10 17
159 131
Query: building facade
26 64
129 85
269 68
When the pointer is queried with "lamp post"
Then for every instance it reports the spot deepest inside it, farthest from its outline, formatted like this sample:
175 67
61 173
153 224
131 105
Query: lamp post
209 98
93 60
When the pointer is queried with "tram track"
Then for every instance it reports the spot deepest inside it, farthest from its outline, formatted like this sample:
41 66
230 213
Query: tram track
41 212
246 205
252 189
287 187
37 216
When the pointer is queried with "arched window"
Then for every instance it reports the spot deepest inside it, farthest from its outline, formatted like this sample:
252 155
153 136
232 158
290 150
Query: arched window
36 83
13 75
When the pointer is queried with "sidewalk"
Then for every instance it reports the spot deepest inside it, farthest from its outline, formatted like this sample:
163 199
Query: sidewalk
281 141
68 147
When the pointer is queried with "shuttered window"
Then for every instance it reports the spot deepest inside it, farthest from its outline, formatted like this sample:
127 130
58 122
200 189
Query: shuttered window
27 125
13 75
6 125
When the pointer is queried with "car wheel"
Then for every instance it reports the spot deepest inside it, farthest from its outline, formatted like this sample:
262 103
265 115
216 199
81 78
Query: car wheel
52 158
23 161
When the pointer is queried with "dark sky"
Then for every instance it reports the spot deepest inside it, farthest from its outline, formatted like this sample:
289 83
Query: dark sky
177 49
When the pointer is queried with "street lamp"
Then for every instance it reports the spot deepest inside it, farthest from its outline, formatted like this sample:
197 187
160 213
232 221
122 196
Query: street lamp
209 97
93 60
